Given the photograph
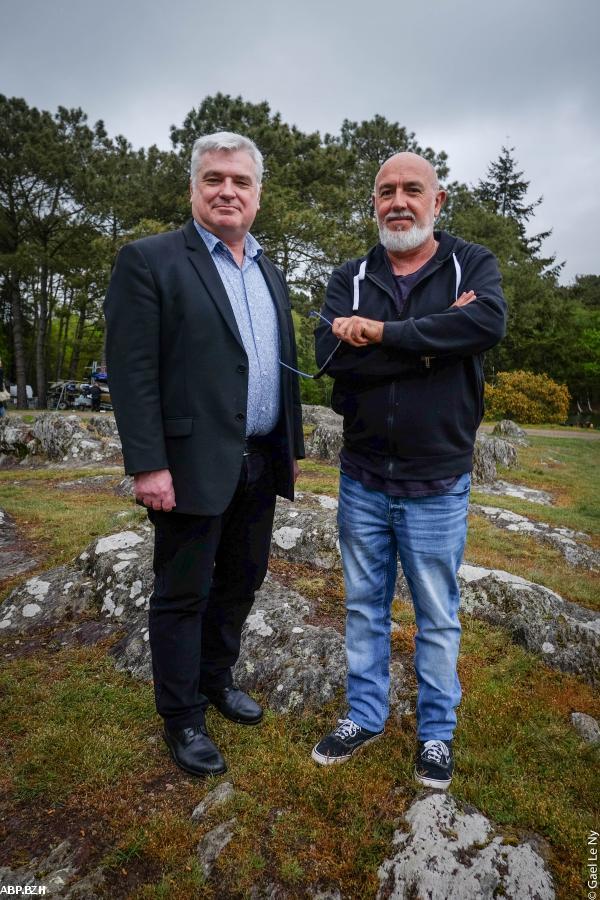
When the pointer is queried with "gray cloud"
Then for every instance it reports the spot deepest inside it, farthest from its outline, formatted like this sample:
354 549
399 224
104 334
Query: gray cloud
466 76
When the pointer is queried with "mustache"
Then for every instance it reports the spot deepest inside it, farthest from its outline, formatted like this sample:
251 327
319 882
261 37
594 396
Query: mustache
393 217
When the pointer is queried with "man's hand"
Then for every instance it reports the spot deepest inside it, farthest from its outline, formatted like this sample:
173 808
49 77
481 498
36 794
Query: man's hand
357 331
465 298
155 489
296 470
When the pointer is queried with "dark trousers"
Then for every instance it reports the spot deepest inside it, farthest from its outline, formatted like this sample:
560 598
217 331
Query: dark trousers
207 569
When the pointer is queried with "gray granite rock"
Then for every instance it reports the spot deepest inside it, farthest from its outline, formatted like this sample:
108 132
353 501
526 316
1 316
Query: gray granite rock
313 414
452 852
298 665
112 580
42 600
565 635
65 438
104 425
500 488
212 845
512 432
487 454
326 438
306 532
62 436
219 795
273 891
87 482
587 727
125 487
53 875
294 663
16 437
570 543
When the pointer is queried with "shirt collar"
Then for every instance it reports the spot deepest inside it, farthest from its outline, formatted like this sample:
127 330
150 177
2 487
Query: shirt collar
252 249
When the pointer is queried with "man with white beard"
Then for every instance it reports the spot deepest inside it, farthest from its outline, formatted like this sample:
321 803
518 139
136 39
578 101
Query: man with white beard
404 329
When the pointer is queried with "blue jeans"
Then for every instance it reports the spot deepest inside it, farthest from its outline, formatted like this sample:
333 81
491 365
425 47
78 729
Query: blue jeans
428 534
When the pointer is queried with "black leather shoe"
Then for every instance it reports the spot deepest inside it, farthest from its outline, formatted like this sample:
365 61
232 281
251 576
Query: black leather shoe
194 752
235 705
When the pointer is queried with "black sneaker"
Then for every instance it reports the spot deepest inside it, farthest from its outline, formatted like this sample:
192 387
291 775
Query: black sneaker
339 746
435 764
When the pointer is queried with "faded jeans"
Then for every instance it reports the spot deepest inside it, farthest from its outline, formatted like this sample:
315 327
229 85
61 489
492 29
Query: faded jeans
428 535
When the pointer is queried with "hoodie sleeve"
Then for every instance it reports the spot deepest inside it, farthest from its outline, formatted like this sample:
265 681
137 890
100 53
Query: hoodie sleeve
344 359
465 330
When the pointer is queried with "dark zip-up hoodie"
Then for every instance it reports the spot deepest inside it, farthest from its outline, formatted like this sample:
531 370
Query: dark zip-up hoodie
412 404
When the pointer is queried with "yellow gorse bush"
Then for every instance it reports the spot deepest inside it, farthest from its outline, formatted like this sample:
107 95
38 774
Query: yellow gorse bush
527 397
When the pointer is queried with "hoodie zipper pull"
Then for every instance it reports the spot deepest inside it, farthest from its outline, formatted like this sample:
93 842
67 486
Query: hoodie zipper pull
427 361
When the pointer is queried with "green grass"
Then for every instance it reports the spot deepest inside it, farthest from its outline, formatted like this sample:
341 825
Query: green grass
318 477
76 736
57 523
79 740
74 723
495 548
568 469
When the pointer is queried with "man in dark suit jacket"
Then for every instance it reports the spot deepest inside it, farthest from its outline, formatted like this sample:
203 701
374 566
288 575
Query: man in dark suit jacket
199 341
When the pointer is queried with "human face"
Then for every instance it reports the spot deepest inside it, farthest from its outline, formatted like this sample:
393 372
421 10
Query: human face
406 201
225 194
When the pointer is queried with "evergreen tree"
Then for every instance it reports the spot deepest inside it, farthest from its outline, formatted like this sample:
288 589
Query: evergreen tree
504 190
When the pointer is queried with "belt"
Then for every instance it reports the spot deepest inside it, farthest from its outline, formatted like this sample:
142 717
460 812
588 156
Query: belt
257 444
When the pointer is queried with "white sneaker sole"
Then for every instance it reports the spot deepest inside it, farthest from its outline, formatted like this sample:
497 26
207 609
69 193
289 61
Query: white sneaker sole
334 760
433 782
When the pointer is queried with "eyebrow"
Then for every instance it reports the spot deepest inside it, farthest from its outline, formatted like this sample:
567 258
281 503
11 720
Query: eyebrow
216 173
406 184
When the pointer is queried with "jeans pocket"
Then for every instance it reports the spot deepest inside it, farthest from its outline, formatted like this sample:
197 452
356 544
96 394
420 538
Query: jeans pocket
462 486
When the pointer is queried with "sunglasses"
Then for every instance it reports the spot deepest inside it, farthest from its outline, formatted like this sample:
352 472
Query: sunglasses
313 314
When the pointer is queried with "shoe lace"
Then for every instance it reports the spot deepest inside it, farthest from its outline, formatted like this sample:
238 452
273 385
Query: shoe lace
346 728
435 751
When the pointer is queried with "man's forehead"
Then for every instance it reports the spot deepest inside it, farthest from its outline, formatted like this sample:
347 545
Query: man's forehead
406 167
227 161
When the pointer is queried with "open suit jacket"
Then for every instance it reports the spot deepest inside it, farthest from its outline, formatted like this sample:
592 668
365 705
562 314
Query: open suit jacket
178 371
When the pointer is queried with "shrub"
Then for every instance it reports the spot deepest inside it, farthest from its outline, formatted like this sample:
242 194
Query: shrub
526 397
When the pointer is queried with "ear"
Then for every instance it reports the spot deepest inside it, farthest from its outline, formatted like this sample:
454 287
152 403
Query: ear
440 199
259 193
191 188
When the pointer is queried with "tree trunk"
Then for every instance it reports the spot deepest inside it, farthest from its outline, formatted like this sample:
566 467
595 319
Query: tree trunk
64 335
18 340
77 341
40 346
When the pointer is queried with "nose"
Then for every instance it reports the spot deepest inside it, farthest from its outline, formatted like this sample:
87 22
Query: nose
227 188
399 200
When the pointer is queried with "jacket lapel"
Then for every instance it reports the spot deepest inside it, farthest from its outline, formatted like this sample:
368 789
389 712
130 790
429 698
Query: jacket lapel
202 262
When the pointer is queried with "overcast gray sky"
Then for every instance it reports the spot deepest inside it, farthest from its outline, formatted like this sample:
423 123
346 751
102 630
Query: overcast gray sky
466 76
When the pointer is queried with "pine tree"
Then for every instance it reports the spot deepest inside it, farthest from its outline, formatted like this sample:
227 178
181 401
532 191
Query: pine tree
504 191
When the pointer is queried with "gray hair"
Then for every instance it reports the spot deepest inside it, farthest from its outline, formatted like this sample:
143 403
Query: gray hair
225 140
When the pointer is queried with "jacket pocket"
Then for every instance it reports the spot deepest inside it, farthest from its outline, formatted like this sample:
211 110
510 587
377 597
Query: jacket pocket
178 427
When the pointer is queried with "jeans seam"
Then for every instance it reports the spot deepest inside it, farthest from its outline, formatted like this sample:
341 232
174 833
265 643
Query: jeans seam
385 669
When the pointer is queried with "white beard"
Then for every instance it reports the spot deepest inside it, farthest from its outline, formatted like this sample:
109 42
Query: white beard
400 241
